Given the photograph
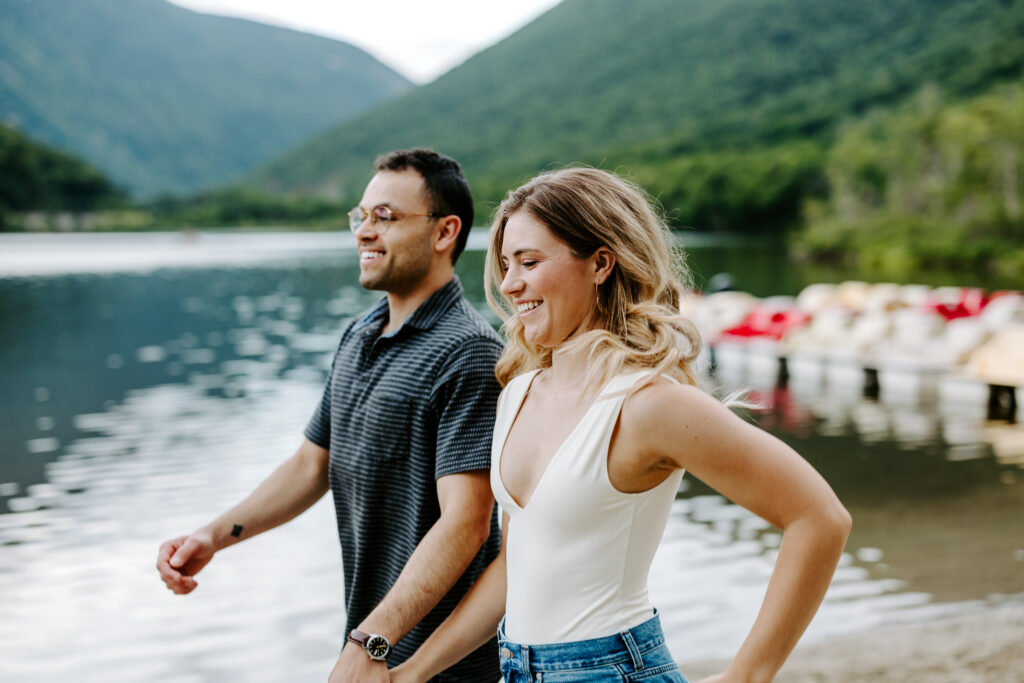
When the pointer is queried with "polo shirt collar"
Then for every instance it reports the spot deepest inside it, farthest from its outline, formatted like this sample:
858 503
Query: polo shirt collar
424 317
434 308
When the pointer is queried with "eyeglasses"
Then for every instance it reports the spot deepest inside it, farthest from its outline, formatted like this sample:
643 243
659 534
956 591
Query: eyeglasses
379 214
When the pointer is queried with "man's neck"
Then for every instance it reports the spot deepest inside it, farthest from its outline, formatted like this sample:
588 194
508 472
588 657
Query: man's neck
401 305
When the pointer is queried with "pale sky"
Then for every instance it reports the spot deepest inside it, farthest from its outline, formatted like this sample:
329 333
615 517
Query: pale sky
421 39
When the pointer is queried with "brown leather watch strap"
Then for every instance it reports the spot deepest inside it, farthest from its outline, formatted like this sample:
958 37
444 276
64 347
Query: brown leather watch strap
358 637
377 647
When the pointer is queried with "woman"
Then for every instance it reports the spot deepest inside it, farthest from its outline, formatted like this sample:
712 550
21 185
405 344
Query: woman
599 418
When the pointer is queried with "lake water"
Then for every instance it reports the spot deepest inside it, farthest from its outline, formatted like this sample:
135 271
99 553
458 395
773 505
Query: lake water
150 381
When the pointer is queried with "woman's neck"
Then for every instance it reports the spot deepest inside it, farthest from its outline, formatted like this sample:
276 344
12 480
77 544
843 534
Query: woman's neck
568 367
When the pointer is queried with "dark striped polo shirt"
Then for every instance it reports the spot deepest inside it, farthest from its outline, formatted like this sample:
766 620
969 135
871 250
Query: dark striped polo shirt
399 411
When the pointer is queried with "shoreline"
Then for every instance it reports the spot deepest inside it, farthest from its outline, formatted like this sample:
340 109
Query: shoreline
980 647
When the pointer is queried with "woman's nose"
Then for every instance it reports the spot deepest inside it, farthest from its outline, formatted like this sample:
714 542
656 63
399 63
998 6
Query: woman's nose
510 284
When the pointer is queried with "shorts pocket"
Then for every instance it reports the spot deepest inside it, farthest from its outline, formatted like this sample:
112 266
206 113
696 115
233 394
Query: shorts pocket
597 674
666 673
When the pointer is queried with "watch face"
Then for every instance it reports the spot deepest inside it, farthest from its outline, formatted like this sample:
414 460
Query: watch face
378 647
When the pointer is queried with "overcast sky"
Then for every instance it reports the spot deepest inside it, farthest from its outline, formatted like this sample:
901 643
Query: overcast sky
417 38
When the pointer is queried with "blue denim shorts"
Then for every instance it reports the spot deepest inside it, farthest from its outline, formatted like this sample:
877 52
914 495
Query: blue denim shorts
639 654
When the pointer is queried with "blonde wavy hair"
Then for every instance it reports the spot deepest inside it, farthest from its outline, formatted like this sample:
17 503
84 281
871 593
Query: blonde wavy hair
638 323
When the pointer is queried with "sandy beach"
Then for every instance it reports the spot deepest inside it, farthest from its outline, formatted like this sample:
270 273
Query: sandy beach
985 647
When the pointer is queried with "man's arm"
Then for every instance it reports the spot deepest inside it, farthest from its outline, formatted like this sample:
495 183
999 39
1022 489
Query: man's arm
470 625
441 557
292 488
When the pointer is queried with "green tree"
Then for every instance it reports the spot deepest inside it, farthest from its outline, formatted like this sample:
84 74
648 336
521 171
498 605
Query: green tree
931 183
34 177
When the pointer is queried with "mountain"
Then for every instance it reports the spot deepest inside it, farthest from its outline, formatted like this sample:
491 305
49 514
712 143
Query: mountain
642 85
168 100
37 177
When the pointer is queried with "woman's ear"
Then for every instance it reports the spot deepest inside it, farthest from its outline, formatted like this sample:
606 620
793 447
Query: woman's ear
604 263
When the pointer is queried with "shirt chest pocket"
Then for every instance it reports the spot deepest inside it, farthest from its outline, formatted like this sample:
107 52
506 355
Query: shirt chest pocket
387 427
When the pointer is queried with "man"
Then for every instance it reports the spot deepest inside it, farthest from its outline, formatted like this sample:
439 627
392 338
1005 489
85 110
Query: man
401 437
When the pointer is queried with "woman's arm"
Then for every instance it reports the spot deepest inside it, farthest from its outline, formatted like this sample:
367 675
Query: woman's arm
470 625
674 426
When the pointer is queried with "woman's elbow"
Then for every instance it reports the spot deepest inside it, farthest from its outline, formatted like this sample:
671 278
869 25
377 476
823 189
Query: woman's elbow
838 522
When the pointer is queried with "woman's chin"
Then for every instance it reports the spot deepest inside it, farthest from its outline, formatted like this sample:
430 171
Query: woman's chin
545 342
535 339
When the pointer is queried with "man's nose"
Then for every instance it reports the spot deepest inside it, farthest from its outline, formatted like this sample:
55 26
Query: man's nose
366 230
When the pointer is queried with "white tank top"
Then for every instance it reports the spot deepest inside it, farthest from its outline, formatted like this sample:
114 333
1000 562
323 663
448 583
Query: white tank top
578 554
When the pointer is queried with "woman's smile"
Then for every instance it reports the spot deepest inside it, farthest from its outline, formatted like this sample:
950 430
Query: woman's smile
524 308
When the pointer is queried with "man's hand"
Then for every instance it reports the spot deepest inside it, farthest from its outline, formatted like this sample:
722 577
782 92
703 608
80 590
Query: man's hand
355 666
403 673
180 559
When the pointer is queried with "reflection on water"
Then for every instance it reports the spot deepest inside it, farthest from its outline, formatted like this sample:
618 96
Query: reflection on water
77 566
138 405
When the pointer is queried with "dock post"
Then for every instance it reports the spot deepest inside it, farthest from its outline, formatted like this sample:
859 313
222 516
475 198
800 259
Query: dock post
1002 402
782 380
871 386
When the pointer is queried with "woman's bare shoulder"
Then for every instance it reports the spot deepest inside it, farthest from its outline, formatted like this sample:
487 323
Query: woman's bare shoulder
661 399
662 416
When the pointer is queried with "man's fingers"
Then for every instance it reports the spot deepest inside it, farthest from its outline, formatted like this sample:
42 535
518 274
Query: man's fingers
171 560
184 553
186 585
164 554
163 562
163 557
181 585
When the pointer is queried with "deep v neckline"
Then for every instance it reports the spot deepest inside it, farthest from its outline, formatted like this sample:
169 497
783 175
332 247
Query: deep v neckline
554 455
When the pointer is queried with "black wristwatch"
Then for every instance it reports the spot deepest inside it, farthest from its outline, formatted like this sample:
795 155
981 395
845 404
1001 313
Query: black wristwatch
377 647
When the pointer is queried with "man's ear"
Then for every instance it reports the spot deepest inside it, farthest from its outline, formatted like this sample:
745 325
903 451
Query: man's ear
447 233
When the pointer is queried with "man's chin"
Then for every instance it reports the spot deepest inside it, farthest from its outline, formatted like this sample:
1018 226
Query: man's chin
372 282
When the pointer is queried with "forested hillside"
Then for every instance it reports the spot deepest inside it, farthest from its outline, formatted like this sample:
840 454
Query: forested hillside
932 182
165 99
34 177
725 108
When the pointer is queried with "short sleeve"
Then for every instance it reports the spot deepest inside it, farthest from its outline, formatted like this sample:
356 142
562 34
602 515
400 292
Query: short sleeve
466 397
318 429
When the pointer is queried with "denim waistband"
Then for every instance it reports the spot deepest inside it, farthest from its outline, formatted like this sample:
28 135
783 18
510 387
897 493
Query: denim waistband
626 646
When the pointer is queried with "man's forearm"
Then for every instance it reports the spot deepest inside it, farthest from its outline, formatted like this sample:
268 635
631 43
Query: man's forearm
292 488
472 623
441 557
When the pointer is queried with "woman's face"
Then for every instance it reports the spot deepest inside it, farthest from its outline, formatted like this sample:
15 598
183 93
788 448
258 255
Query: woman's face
552 290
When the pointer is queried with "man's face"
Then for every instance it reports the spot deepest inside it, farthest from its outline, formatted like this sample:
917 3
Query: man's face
396 256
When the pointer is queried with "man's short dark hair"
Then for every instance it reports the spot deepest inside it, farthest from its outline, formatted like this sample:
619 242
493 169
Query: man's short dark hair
447 189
